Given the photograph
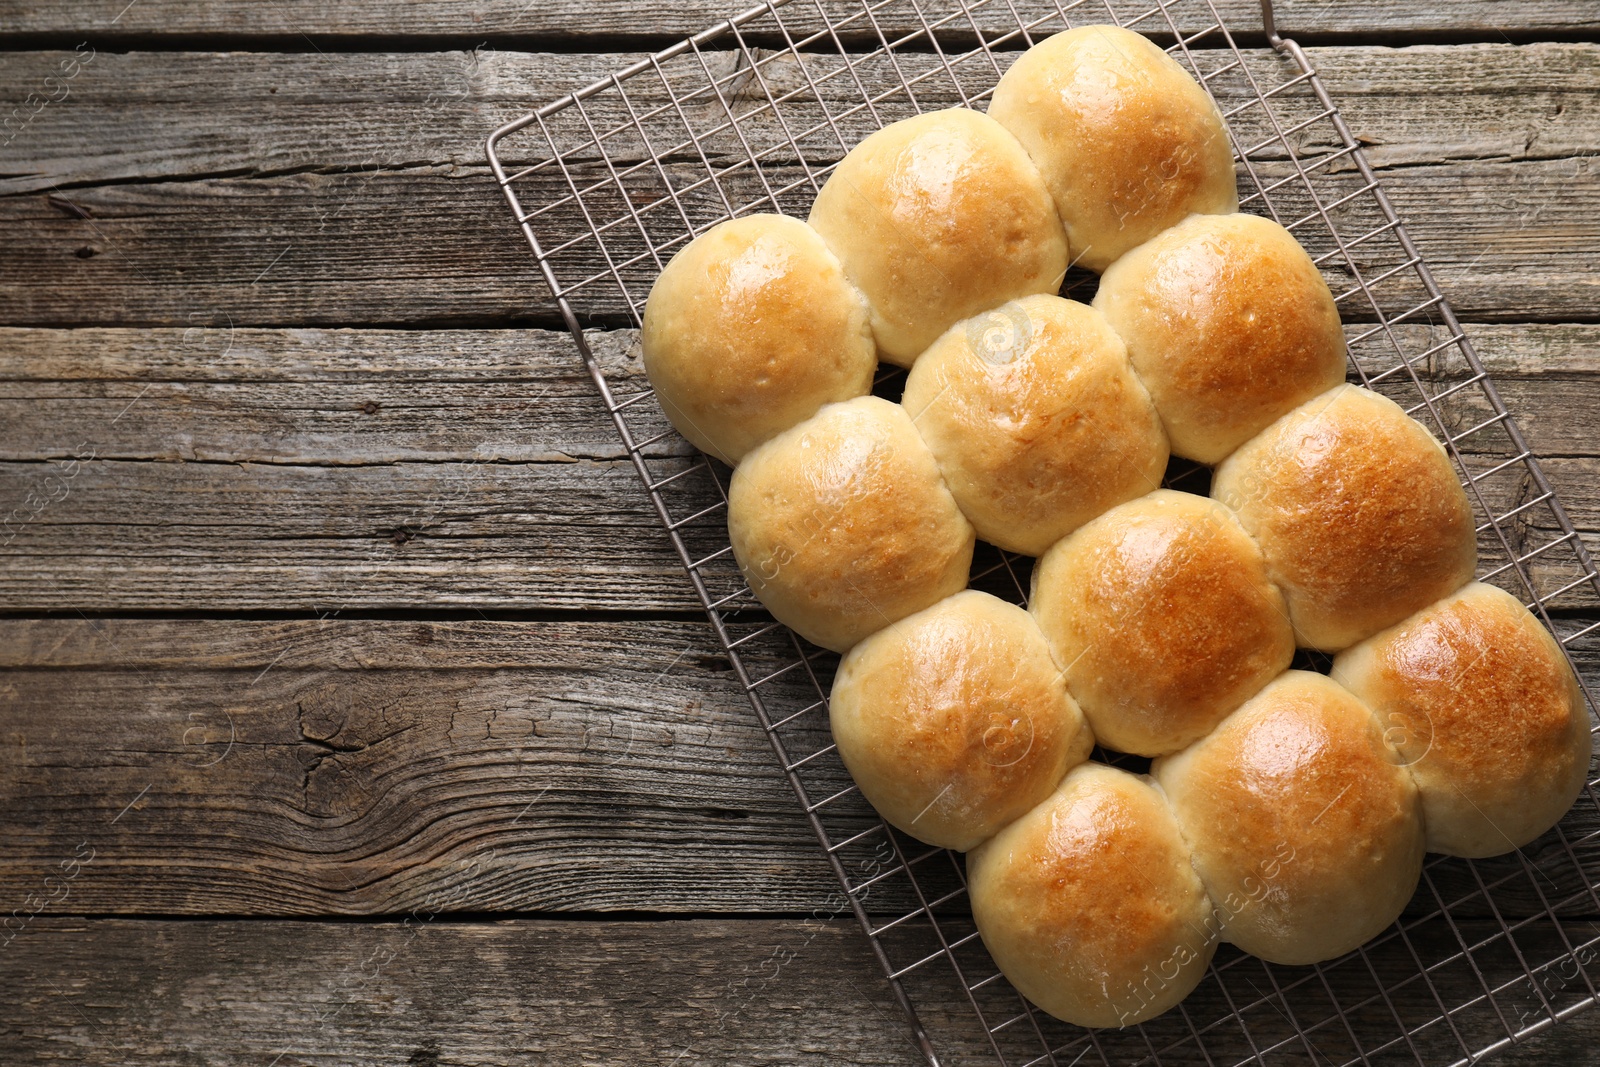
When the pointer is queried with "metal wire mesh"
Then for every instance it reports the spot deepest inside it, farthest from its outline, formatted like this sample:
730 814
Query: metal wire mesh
752 115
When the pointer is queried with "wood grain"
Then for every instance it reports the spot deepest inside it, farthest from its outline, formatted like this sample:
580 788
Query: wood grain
236 451
714 991
358 767
146 115
302 396
271 470
601 765
404 225
333 24
1509 241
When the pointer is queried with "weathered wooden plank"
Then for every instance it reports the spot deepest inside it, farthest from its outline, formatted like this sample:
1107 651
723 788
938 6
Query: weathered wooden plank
350 21
197 542
713 991
328 397
474 469
345 170
356 767
143 115
1507 240
218 394
138 536
519 536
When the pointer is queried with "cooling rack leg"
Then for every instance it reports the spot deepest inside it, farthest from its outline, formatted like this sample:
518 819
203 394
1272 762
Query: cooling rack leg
1270 24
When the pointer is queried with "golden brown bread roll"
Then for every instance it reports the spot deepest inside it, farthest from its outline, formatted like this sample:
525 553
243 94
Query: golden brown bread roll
1162 615
1486 713
749 330
1306 830
955 720
1036 419
1228 323
1129 144
1358 511
937 218
1089 904
842 525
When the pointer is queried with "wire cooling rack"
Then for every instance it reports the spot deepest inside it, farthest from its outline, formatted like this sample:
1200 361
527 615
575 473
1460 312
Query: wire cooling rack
751 115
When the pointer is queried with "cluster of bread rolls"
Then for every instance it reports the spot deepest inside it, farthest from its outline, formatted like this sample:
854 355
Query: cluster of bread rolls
1285 812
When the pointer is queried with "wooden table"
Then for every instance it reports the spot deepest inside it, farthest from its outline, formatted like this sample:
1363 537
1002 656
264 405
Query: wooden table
352 696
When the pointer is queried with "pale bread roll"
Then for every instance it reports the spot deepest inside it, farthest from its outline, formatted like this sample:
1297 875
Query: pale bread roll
1129 143
1161 612
1306 830
1037 420
749 330
1228 323
1358 511
842 525
1089 903
937 218
955 721
1486 713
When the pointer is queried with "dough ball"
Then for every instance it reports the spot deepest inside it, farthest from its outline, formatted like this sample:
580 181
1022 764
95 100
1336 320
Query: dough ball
749 330
842 524
1129 143
955 721
1358 511
1164 619
937 218
1228 323
1037 420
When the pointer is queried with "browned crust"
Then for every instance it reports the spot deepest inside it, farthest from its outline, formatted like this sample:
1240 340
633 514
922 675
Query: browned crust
1358 511
1128 142
1089 903
936 218
1036 439
955 721
842 525
749 330
1229 324
1486 713
1305 829
1164 619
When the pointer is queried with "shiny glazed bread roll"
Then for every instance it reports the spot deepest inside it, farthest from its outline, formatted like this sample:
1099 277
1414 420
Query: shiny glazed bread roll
841 525
749 330
1228 323
1128 142
1089 904
1163 616
1037 420
1306 830
955 721
1486 713
1358 511
937 218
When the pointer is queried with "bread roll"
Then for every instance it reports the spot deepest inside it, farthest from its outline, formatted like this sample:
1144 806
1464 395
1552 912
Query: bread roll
1358 511
937 218
842 525
1305 828
954 721
1162 614
1089 904
1486 713
1128 142
1037 420
749 330
1228 323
